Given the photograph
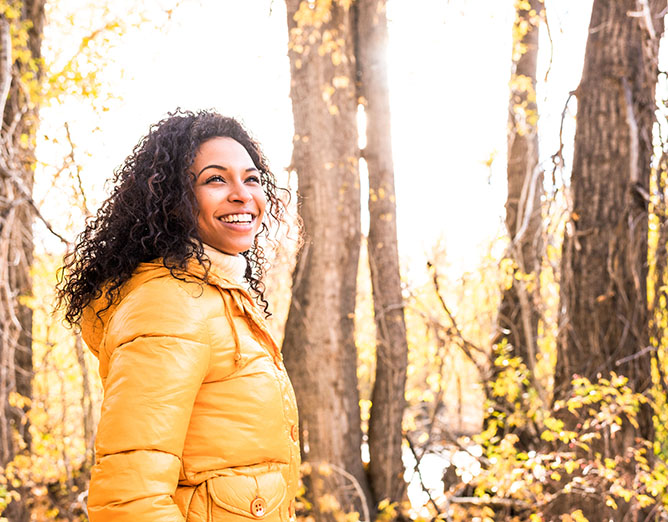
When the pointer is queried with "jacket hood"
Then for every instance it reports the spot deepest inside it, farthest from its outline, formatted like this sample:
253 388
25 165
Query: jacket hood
225 271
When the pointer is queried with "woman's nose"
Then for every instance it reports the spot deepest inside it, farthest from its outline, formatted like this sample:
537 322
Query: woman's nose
240 192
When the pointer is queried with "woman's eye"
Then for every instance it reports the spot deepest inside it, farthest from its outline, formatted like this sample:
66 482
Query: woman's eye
253 179
216 179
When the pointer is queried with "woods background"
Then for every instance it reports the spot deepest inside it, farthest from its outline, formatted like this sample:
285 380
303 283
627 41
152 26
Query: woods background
530 386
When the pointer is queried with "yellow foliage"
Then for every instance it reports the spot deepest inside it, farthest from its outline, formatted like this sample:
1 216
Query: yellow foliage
325 470
387 511
327 503
575 516
313 13
340 82
317 12
351 517
19 401
58 448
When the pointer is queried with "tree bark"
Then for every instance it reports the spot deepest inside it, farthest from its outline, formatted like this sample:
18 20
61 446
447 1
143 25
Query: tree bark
386 468
518 317
604 321
88 420
319 345
19 88
519 312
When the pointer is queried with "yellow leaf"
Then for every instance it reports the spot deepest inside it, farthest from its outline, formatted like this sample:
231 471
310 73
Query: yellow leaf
340 82
328 503
325 469
570 466
578 516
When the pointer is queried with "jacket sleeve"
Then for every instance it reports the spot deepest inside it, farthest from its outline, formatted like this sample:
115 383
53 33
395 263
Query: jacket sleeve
151 382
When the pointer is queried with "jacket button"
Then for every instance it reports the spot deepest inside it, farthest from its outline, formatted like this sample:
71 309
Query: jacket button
258 507
294 432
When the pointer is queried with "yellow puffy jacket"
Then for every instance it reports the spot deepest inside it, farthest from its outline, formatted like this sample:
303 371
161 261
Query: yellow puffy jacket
199 420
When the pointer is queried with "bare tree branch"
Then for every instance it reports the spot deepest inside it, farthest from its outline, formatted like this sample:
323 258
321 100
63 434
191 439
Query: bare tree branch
5 62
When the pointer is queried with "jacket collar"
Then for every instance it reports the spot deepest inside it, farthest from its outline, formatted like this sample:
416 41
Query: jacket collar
219 269
226 271
224 266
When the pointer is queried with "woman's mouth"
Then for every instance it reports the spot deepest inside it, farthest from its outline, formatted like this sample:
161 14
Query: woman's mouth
240 219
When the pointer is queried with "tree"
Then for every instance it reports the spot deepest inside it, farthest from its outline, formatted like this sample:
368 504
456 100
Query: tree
518 317
385 436
319 346
519 312
604 263
21 28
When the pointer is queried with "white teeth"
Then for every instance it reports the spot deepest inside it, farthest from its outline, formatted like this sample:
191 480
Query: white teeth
237 218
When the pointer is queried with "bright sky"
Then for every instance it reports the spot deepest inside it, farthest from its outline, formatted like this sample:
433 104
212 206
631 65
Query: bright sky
449 70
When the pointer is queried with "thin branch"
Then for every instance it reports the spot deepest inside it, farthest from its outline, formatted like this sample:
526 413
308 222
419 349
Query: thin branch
5 62
492 501
633 132
417 469
6 171
636 355
77 170
558 157
549 37
467 345
356 485
645 14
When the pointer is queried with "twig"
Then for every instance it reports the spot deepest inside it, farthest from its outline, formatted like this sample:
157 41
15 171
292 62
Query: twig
5 62
558 157
356 485
442 350
646 14
633 132
18 182
417 470
467 343
549 36
453 439
491 501
636 355
77 170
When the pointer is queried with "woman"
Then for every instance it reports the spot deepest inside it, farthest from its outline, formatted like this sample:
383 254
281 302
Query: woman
199 420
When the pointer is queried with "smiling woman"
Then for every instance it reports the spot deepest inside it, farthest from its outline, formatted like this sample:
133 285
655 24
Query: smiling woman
229 194
159 284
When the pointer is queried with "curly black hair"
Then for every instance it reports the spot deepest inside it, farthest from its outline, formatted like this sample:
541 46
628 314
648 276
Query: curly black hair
152 213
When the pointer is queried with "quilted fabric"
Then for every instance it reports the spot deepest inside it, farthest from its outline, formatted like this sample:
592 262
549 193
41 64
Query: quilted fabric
199 418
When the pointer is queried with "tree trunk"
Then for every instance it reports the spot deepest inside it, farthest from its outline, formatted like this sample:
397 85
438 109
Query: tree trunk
604 264
19 87
319 346
88 420
386 468
518 317
519 312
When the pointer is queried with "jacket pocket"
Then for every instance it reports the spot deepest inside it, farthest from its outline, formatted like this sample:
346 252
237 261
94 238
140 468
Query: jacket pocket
250 492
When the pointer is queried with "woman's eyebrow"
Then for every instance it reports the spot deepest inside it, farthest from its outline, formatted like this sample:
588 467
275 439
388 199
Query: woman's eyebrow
220 167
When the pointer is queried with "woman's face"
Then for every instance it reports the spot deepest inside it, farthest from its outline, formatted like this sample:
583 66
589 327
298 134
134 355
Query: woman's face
230 197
